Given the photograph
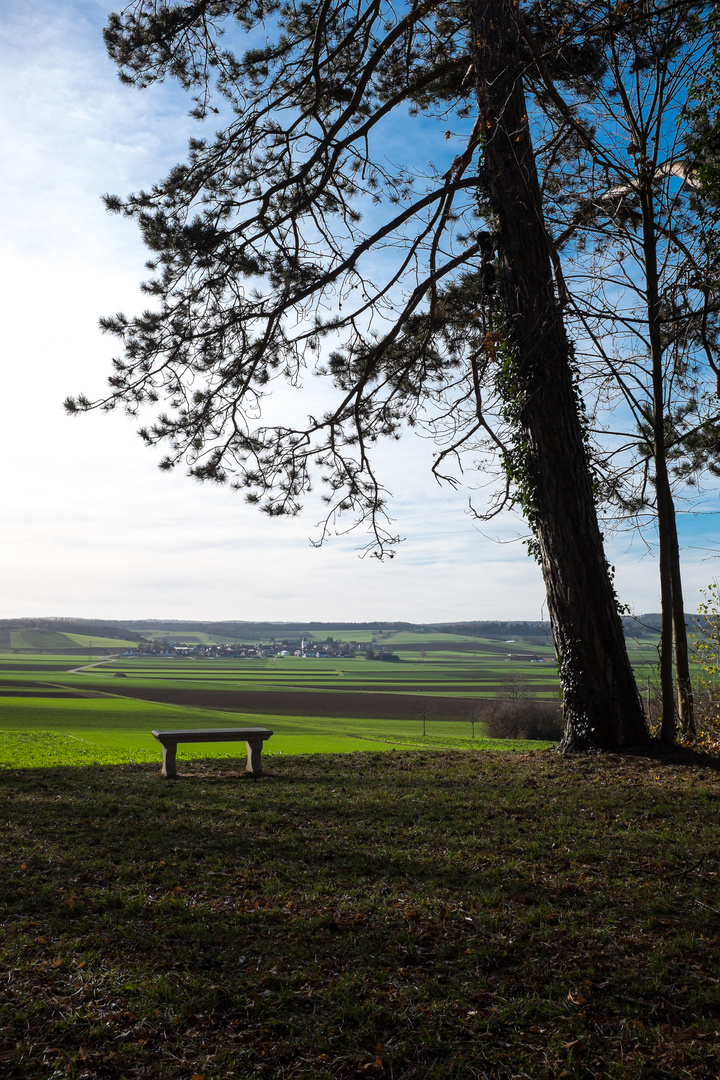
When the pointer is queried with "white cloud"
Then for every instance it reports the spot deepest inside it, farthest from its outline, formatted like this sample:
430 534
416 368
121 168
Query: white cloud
90 526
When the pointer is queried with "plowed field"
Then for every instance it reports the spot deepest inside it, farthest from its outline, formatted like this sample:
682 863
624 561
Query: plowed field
374 706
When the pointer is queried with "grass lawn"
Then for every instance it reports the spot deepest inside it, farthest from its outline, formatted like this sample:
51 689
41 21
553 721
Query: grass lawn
399 915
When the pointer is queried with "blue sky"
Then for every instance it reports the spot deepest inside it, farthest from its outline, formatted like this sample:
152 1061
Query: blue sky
91 527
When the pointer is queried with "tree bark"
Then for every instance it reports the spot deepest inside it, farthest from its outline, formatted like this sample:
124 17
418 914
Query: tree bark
686 704
550 464
677 696
673 634
664 501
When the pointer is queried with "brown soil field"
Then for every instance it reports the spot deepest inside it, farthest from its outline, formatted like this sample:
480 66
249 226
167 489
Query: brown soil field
25 684
371 706
45 694
493 686
42 666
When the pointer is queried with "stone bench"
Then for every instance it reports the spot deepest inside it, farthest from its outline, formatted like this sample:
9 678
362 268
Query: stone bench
253 737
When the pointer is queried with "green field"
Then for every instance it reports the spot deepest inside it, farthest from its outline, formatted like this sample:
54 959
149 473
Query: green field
41 732
55 640
82 710
190 637
90 642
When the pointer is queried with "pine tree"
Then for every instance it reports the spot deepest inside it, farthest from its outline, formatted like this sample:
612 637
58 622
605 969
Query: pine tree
437 307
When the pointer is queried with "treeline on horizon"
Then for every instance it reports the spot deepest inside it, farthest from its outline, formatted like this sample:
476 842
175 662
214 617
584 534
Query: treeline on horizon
132 629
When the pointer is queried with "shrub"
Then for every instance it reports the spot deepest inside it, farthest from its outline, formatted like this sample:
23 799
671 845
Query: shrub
524 720
706 654
707 719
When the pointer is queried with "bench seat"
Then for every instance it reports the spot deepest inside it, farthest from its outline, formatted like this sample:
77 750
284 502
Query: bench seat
253 737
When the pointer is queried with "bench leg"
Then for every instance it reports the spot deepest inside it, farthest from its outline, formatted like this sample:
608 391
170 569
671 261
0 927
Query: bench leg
169 752
254 752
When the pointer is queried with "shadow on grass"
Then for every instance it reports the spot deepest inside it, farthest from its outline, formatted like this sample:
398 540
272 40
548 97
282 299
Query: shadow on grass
401 915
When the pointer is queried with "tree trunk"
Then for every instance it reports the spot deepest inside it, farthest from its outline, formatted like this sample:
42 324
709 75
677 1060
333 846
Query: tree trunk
686 704
673 630
663 499
549 462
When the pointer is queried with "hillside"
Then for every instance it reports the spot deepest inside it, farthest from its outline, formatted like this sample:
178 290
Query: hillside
248 630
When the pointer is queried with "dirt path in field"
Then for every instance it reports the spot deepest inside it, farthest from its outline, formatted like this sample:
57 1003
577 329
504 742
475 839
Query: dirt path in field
85 667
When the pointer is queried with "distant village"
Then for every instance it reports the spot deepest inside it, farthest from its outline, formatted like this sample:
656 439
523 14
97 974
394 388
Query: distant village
307 649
